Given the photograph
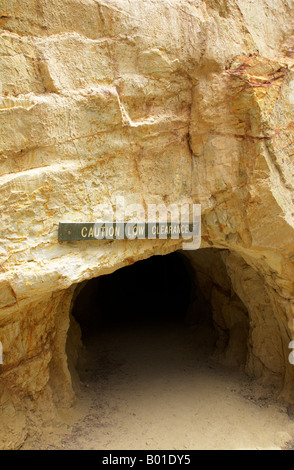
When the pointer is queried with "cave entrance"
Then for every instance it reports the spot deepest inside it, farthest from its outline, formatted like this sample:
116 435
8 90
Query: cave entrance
161 300
164 346
153 290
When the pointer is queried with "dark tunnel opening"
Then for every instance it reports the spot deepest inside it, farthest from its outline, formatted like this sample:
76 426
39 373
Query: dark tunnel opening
164 341
153 290
162 300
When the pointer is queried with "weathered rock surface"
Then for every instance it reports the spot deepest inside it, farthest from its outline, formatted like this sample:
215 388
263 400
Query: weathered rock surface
159 102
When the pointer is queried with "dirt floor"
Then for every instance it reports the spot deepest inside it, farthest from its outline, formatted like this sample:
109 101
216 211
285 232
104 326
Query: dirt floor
156 387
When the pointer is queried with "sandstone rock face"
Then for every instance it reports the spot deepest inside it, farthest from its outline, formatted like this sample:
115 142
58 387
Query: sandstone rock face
159 102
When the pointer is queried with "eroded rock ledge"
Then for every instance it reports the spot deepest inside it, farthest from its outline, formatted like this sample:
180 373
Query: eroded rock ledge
160 102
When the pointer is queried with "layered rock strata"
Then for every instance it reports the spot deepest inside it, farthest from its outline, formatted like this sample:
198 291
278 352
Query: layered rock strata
159 102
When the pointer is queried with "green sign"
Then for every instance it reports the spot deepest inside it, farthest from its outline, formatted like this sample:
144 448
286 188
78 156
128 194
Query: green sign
129 230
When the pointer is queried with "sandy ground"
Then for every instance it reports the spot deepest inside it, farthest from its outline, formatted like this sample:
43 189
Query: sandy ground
156 387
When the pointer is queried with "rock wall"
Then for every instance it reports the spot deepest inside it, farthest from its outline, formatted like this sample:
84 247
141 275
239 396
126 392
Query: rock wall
159 102
247 315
